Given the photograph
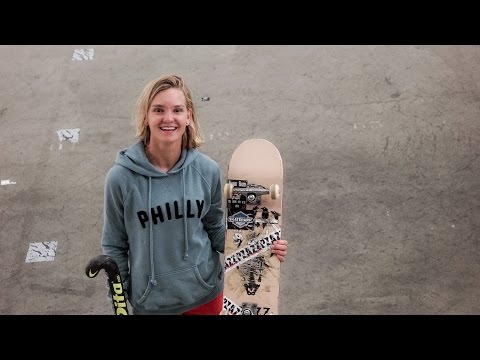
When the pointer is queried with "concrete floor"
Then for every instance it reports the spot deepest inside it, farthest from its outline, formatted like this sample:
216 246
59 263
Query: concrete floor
381 156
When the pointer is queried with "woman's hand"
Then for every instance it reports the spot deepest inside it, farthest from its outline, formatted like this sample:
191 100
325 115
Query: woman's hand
279 248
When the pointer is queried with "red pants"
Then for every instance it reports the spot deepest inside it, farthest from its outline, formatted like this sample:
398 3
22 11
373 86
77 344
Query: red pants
211 308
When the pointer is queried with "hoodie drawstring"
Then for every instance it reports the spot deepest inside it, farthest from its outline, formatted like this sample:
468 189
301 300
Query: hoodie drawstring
185 232
152 267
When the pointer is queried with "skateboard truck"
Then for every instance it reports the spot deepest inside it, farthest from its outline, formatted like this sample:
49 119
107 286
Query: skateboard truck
249 308
252 192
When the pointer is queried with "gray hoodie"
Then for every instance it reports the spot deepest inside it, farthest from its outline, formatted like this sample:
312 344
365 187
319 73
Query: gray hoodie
165 230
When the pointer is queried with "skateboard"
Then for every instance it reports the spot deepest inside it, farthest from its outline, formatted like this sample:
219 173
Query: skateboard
253 194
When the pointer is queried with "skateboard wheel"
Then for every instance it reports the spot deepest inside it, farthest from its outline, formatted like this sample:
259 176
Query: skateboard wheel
228 190
274 191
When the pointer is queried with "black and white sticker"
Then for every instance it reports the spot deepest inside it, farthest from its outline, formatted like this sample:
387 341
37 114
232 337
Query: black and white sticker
251 250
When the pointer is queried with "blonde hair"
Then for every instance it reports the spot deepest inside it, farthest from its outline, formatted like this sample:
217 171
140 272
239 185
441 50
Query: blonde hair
192 138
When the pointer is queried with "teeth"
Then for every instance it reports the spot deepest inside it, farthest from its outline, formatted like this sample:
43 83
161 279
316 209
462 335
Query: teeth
168 128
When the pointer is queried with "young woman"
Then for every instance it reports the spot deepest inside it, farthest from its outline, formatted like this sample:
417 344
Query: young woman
163 217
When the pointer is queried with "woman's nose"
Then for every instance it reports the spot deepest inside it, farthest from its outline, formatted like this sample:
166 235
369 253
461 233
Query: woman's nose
169 115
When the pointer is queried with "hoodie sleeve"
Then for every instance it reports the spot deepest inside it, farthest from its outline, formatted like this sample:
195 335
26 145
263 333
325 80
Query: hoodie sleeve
213 220
114 237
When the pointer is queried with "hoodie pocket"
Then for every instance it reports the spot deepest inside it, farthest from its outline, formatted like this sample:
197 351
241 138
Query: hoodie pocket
180 287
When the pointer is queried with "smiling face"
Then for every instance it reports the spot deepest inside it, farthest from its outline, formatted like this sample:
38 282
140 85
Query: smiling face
168 117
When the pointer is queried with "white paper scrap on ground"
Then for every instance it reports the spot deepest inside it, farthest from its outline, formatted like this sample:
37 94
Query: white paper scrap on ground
41 251
68 135
7 182
83 54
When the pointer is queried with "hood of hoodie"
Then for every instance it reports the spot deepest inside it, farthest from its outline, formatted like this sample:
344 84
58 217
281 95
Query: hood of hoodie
135 159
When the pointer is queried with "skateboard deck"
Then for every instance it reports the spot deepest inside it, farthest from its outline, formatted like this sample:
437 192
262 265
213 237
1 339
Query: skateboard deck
253 196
